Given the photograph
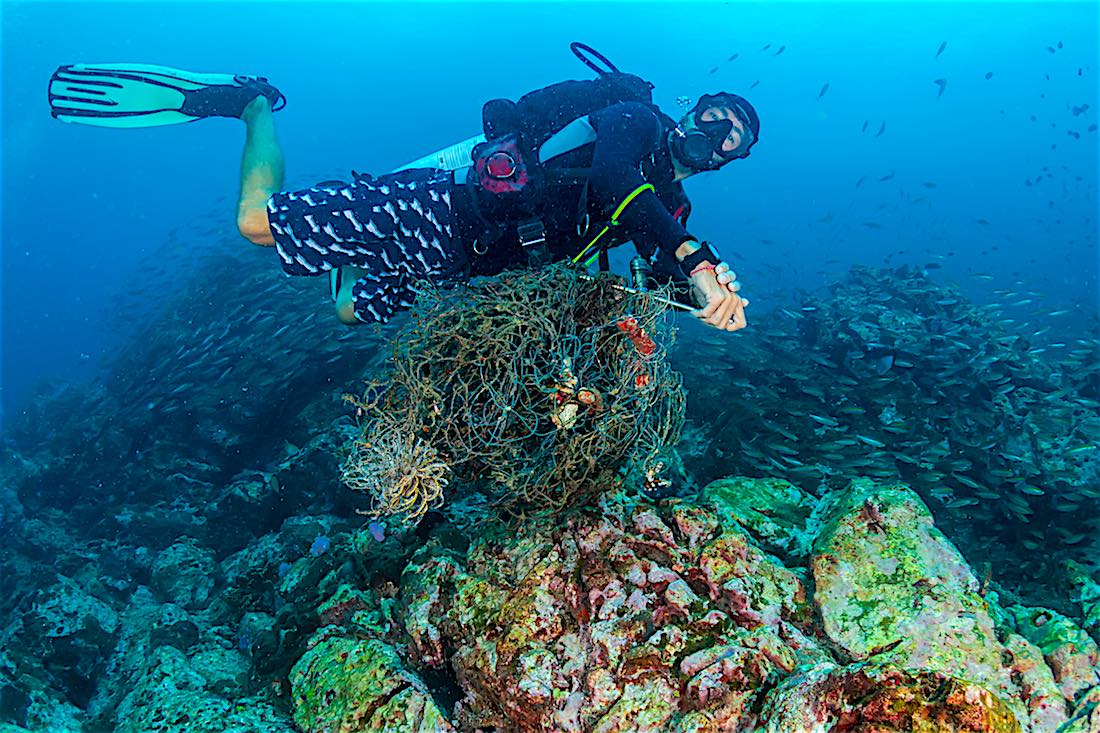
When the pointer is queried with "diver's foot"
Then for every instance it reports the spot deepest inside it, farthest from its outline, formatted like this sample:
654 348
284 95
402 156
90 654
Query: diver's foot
254 109
231 100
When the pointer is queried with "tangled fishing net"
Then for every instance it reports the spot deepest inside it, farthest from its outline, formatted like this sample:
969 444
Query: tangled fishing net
542 388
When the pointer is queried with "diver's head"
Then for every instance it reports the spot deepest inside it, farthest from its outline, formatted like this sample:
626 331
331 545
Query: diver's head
720 128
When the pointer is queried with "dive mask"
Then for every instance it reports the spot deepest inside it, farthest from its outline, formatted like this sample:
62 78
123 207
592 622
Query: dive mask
697 144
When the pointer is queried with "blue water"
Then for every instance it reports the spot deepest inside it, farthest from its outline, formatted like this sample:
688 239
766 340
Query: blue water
90 214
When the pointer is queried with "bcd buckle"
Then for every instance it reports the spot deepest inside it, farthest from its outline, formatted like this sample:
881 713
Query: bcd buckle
532 237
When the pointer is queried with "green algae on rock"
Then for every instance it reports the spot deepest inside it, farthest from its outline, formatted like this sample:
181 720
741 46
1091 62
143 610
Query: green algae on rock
773 511
868 697
347 685
892 588
883 572
1071 654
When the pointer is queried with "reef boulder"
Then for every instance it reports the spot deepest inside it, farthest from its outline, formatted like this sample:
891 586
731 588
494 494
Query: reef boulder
682 616
892 588
184 574
868 697
347 685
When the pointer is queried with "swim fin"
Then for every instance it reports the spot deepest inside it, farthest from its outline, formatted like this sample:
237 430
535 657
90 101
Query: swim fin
143 95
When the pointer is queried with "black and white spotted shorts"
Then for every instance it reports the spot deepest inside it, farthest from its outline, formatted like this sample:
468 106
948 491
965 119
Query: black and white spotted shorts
398 227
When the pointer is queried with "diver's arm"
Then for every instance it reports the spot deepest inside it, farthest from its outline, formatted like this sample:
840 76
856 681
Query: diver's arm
626 134
687 247
715 288
262 170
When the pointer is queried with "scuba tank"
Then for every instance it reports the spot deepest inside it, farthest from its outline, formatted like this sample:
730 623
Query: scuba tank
557 112
571 132
640 270
450 158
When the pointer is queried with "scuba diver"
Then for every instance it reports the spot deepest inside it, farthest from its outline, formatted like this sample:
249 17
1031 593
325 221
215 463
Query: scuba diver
564 173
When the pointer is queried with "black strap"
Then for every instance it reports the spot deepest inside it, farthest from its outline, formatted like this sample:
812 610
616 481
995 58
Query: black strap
532 238
576 47
704 253
582 211
566 176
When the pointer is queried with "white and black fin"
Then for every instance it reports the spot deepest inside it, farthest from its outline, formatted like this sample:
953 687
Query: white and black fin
144 95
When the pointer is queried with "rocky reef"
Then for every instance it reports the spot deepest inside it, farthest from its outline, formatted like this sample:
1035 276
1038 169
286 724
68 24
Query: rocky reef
894 375
181 557
749 608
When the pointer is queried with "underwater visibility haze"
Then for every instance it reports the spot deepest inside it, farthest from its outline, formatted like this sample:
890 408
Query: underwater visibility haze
548 499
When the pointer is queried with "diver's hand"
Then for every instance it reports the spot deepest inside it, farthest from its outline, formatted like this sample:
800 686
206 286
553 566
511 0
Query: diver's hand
716 291
728 277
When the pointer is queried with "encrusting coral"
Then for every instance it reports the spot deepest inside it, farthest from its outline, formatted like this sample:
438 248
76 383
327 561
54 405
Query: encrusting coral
635 616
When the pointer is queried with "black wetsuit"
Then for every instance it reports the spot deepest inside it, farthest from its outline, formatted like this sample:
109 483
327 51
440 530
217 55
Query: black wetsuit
420 223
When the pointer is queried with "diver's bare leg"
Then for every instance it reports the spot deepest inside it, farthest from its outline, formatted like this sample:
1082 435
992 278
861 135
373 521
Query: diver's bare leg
262 171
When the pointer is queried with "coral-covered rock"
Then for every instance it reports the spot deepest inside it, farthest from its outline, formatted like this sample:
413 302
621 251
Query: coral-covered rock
70 632
1086 717
171 672
1071 654
867 697
423 593
28 704
624 619
1085 590
250 501
184 574
257 633
224 669
346 685
174 694
773 511
1038 690
249 575
173 627
67 612
673 617
891 587
688 616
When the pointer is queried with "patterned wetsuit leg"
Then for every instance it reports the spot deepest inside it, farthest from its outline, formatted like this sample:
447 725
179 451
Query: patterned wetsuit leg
398 227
